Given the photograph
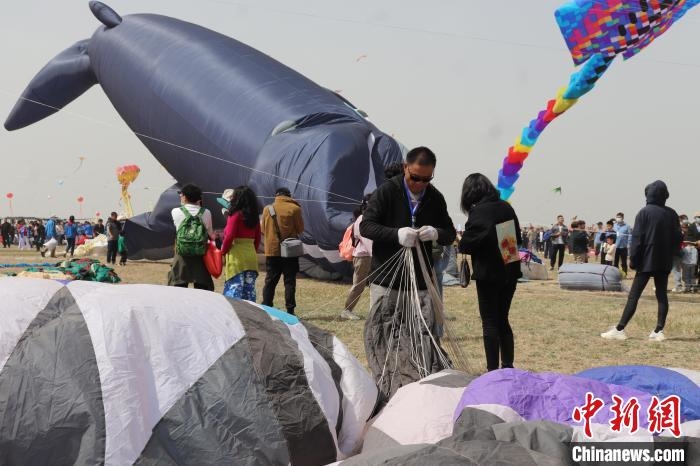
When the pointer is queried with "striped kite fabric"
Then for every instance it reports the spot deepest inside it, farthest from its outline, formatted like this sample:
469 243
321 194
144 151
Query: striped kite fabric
92 373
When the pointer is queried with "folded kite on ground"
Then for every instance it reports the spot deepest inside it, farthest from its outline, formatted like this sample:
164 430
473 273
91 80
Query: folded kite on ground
147 374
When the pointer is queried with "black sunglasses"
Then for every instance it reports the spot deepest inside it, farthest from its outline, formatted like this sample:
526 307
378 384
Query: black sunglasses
419 179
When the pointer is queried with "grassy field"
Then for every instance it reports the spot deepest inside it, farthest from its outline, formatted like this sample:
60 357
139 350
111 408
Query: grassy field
555 330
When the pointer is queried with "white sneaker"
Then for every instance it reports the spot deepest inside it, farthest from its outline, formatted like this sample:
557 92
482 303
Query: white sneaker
349 315
614 334
657 336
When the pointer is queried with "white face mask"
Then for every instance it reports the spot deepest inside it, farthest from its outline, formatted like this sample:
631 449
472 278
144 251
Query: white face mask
697 220
619 219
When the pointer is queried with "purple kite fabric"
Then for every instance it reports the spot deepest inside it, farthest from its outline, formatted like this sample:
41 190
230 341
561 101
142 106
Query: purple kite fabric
657 381
547 396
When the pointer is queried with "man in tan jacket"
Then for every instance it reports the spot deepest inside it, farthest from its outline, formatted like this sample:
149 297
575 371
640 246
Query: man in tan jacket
291 225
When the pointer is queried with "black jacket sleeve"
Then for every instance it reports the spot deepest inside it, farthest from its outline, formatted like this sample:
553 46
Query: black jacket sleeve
475 232
637 241
375 217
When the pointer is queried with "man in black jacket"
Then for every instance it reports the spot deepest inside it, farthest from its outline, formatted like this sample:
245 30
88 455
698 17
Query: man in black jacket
405 212
6 234
655 239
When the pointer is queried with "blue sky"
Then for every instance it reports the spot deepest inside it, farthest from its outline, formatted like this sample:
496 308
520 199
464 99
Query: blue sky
462 77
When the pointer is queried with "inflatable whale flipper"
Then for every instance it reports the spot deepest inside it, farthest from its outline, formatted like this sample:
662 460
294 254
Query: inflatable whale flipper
61 81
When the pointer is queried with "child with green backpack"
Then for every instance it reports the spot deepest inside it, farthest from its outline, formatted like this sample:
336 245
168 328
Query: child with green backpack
193 225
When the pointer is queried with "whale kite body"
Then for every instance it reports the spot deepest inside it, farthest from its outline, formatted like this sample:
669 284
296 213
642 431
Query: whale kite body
218 113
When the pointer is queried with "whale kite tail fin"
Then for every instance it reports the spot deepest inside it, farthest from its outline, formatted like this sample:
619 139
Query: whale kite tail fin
62 80
105 14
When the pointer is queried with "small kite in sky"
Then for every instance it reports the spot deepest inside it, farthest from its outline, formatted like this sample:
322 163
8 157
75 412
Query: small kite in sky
557 190
81 159
361 57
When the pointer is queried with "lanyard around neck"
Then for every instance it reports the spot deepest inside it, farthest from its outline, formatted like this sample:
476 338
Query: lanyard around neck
409 199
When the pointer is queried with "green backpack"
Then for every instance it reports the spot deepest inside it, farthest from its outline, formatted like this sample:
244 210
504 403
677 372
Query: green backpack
191 234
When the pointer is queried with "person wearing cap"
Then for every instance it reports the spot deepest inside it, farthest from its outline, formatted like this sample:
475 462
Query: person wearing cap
191 269
654 242
291 225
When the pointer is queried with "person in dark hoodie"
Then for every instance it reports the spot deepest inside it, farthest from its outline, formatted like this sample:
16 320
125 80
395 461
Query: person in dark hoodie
495 278
654 242
406 211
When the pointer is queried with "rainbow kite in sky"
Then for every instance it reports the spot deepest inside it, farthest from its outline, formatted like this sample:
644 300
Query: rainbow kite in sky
595 31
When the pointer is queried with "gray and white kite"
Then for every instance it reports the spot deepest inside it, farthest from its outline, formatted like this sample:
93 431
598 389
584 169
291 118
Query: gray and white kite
92 373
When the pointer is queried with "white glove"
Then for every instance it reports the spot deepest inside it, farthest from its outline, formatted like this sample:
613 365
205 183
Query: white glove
408 237
427 233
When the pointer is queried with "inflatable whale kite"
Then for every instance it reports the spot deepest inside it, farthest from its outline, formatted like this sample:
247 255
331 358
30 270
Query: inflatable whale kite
219 114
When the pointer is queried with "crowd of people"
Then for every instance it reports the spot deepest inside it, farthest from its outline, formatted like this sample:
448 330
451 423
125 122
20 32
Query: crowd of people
609 244
28 234
406 211
46 236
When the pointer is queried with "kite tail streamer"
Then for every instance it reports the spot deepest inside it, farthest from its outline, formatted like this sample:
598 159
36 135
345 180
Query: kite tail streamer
579 84
126 198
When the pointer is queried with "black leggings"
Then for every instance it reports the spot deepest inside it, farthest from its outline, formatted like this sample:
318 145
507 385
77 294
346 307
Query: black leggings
494 305
557 248
70 246
112 251
638 285
621 259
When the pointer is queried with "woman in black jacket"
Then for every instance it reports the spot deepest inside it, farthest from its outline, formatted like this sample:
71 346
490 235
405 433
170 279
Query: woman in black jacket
496 274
